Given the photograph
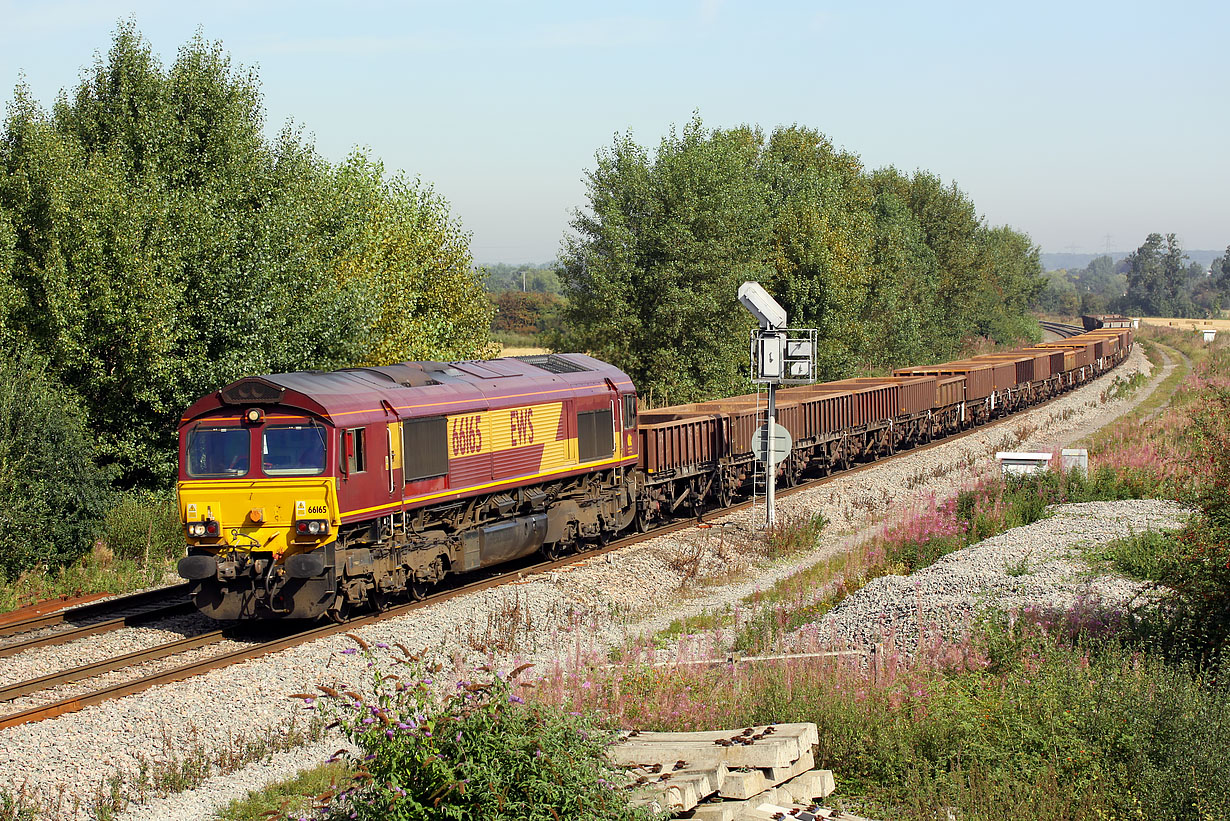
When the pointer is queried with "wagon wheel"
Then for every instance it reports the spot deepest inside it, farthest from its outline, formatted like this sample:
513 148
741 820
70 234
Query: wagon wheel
725 494
417 591
790 472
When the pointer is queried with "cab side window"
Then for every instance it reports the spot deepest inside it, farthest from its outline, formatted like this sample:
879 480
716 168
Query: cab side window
354 450
629 411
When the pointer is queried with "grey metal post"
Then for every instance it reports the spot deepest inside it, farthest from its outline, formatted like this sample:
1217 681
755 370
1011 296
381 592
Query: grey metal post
770 515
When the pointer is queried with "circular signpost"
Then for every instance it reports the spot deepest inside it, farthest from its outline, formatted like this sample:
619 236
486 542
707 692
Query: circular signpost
771 447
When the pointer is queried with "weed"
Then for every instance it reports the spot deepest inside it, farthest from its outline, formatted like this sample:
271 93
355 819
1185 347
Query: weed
794 534
503 625
183 766
18 806
1020 567
686 562
292 797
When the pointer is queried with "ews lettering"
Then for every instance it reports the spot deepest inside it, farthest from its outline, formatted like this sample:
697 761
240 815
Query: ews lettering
467 435
522 426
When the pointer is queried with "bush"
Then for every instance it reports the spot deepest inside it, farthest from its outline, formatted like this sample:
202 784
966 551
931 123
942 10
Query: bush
144 527
481 753
52 494
1051 730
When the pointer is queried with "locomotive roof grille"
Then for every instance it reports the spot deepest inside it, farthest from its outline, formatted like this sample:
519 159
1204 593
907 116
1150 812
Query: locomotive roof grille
552 363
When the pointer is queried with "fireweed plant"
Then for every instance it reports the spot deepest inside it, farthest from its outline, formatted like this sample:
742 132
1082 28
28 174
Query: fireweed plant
478 752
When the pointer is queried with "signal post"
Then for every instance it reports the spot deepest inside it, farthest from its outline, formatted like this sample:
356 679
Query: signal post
778 355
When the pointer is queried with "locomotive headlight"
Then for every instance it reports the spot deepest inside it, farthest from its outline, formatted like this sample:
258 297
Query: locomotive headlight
312 527
254 416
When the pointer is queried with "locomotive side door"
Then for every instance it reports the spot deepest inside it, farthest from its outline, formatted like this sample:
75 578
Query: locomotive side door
393 458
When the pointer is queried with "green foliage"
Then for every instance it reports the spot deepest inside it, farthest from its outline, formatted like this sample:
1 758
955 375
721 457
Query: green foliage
1061 734
144 526
1220 270
891 269
1090 290
1148 556
482 753
793 535
290 798
526 313
159 246
52 496
1158 281
652 274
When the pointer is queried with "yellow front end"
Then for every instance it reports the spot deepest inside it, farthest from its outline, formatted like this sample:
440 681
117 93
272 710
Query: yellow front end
260 515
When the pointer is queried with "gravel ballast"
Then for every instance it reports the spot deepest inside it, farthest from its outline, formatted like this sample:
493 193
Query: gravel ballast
1042 566
599 602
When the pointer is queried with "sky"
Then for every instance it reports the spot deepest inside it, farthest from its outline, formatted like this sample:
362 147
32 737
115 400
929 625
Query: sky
1085 125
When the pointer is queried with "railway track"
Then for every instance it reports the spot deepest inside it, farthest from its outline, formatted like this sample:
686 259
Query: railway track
277 643
111 610
1062 330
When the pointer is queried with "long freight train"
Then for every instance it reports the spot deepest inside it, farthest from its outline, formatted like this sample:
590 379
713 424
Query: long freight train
309 494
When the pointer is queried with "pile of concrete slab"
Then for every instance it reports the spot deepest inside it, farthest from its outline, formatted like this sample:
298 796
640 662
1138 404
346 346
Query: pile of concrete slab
762 772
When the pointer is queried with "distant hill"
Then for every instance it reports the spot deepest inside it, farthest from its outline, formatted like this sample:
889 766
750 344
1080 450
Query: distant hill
1054 262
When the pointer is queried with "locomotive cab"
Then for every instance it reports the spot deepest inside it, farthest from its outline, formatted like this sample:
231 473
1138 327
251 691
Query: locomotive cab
258 500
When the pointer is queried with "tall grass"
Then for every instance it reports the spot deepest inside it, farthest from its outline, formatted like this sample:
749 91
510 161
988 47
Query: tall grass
1011 722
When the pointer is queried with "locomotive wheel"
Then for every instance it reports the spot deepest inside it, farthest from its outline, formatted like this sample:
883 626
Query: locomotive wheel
417 591
339 613
641 522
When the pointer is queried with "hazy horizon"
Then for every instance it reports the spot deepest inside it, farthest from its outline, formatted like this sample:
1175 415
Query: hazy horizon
1083 126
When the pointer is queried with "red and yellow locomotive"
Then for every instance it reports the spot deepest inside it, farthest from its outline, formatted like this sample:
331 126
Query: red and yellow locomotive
307 494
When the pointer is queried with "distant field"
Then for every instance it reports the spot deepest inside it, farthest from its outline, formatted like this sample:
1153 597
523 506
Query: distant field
1219 324
511 351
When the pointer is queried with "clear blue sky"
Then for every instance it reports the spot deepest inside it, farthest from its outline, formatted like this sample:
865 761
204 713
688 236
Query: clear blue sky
1069 121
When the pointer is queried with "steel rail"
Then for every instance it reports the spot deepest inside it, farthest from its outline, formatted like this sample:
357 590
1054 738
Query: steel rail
94 610
1062 329
510 576
42 608
98 627
99 668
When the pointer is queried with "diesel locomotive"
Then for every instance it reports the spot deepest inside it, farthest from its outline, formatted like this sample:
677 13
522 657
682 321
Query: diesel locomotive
309 494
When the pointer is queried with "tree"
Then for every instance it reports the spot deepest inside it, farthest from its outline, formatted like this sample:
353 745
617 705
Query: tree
891 269
651 273
1220 274
161 247
822 242
52 495
1146 292
1159 281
